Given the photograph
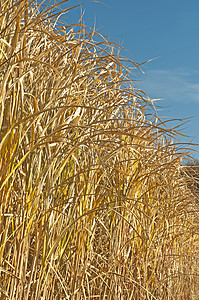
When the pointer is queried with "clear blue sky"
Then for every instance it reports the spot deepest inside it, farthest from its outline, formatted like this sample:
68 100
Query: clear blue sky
165 30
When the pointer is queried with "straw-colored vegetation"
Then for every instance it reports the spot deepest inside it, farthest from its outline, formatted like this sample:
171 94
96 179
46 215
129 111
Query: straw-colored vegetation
94 200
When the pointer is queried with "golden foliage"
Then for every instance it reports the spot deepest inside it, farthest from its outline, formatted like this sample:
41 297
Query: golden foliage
93 201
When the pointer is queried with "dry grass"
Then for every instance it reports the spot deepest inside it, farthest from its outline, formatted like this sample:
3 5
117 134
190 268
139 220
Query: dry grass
93 201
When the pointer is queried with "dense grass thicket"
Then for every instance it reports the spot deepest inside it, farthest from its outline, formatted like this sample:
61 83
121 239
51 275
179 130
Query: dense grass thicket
94 200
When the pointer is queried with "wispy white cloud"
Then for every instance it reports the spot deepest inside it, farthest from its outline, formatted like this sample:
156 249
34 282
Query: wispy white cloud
177 85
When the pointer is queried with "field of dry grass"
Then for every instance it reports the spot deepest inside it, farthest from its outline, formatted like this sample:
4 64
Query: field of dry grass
94 200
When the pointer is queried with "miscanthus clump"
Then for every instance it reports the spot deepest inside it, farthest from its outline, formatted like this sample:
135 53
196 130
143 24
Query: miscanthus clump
94 202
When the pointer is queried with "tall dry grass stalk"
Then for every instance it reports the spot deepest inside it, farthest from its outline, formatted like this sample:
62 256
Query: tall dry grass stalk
94 204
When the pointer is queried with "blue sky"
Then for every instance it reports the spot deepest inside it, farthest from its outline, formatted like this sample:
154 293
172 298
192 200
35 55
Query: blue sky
165 30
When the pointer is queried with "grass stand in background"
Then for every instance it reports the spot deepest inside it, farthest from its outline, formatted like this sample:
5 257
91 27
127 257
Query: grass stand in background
93 201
